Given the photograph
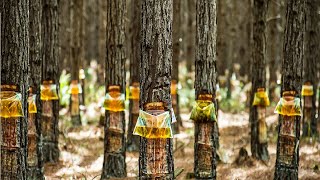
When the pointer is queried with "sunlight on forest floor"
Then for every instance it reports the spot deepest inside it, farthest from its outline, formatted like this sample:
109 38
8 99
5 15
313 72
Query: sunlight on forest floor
82 152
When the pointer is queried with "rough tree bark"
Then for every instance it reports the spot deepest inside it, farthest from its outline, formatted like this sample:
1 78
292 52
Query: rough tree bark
259 147
312 56
114 164
176 35
65 36
133 141
102 41
287 162
274 49
76 56
50 71
14 72
205 84
35 156
155 77
190 40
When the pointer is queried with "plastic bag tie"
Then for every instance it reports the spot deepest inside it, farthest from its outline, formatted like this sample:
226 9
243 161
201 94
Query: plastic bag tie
153 126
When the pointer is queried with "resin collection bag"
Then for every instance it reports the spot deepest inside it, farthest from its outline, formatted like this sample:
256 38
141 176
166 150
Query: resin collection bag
10 104
32 107
203 110
153 126
49 92
288 107
261 98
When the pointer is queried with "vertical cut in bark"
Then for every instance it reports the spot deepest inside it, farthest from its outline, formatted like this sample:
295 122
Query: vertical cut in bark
287 162
155 77
50 71
259 147
206 135
114 164
14 78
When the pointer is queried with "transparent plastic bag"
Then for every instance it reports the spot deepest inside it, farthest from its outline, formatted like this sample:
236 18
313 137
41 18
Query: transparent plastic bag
49 92
174 87
10 104
114 101
261 98
32 107
203 110
153 126
134 92
307 90
75 88
288 106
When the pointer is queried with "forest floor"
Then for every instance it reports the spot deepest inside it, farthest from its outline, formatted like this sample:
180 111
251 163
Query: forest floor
82 152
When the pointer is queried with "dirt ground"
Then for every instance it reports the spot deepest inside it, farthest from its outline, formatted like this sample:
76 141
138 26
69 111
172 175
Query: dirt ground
82 152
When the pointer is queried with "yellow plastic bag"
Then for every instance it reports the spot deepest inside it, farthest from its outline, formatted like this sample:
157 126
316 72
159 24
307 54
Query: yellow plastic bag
75 88
307 90
261 98
114 101
203 110
153 126
32 107
288 106
134 92
48 91
174 87
10 104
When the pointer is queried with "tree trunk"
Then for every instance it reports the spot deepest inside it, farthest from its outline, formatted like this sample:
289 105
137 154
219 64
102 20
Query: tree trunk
206 135
190 35
35 156
65 36
156 155
259 146
92 31
50 71
133 141
76 57
114 164
310 69
273 51
14 78
287 162
102 41
176 32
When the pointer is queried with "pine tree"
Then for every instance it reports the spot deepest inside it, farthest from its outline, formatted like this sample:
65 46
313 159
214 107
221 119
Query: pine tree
156 155
259 142
35 156
50 75
114 164
287 162
14 79
206 133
